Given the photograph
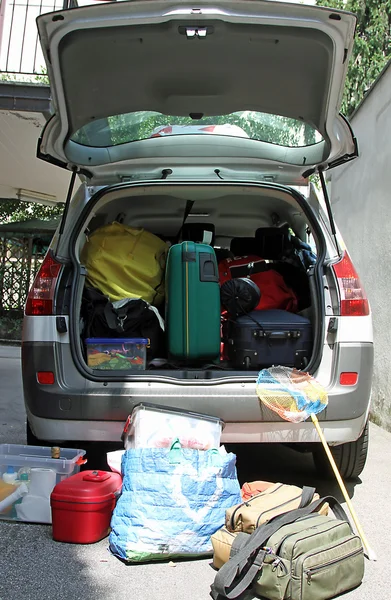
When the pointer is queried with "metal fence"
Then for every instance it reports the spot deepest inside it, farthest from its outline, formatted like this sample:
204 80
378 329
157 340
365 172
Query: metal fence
20 52
20 259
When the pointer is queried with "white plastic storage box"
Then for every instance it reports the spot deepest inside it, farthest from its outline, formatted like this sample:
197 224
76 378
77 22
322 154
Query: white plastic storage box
153 426
28 475
113 354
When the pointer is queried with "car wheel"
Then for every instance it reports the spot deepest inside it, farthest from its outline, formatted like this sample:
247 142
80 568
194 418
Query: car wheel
350 458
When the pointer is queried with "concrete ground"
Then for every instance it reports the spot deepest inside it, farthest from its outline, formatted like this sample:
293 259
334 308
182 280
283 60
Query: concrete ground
34 567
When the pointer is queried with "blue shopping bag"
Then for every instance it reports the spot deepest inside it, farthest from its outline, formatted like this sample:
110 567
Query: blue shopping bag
172 501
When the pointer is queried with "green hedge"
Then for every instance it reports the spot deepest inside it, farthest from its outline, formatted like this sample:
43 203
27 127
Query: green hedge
11 328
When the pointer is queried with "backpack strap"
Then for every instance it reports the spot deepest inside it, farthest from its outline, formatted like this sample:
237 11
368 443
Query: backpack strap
240 540
239 572
114 318
307 496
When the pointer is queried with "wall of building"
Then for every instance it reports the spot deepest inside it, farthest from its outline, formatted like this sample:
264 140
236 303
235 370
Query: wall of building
361 199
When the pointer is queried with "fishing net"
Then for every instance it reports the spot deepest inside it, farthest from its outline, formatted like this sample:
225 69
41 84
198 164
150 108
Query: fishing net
295 396
292 394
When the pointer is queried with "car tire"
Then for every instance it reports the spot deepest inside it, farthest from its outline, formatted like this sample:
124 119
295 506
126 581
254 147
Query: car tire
350 458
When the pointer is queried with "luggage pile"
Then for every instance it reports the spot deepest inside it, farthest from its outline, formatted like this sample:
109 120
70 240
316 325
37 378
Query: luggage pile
179 497
176 495
147 304
123 327
264 329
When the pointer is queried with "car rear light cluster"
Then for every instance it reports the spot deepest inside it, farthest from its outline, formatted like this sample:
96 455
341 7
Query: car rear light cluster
354 302
40 299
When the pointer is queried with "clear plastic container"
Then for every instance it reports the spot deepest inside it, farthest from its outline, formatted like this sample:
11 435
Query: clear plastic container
154 426
28 497
117 354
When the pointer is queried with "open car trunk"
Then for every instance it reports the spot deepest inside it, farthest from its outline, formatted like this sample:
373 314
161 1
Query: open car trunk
235 211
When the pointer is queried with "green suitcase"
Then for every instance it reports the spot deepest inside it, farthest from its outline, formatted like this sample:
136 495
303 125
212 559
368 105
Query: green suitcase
192 302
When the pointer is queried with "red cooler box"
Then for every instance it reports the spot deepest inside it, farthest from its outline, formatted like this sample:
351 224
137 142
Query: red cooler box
82 506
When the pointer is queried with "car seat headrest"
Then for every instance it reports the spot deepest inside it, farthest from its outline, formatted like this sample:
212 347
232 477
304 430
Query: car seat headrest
244 246
223 254
271 242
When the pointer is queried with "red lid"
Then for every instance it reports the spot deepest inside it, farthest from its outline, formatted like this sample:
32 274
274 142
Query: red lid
88 487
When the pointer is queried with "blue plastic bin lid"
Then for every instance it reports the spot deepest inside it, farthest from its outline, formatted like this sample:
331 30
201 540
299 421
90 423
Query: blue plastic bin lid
117 341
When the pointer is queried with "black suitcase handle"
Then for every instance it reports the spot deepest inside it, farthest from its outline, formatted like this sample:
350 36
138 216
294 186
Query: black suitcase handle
208 267
276 335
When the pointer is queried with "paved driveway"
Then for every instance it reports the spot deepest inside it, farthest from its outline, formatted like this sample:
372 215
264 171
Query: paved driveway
34 567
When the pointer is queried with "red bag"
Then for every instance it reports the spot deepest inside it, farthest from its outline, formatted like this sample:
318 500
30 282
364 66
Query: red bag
255 487
274 291
225 266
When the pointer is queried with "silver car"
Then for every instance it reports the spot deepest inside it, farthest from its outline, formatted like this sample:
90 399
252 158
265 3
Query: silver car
234 106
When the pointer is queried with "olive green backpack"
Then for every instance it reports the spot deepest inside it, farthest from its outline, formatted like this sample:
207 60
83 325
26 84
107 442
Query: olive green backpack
299 555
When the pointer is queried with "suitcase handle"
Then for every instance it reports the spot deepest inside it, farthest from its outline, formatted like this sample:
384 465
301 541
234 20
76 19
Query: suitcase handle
208 267
277 335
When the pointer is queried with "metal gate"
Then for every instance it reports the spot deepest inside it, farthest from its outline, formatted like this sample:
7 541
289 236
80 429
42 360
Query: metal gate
20 259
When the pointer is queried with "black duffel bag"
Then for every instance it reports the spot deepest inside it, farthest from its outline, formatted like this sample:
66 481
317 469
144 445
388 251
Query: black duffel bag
134 318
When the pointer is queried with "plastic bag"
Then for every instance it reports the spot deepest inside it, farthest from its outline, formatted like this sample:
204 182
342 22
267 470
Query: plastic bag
172 501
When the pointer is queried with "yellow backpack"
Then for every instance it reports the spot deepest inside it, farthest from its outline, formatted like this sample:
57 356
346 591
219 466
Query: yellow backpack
126 262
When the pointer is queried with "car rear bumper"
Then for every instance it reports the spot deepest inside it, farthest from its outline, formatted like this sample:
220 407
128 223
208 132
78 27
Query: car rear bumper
335 432
75 408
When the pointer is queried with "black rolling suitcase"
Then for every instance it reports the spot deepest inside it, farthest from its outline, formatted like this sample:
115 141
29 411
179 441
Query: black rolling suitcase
264 338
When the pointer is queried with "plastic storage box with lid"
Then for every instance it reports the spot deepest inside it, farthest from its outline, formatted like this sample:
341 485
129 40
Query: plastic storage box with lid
155 426
113 354
82 506
26 497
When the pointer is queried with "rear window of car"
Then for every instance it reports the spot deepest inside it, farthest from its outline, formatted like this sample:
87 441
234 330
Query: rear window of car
141 125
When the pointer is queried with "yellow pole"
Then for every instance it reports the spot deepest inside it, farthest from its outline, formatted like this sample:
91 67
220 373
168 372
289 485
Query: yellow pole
369 552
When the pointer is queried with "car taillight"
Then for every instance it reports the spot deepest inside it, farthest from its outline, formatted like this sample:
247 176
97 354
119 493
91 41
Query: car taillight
354 302
41 295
